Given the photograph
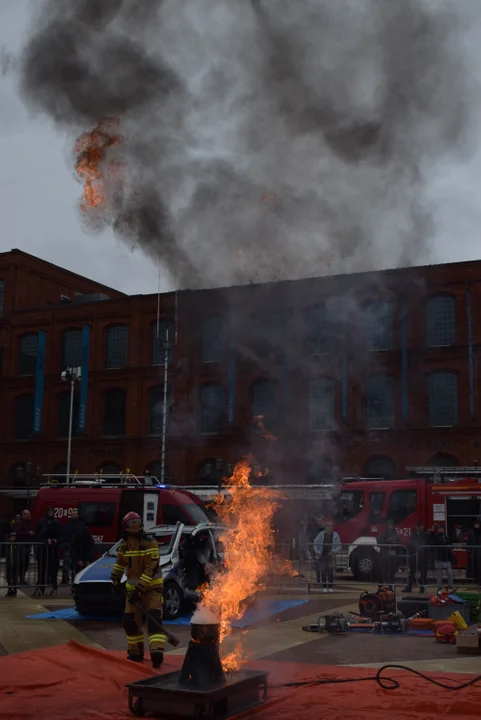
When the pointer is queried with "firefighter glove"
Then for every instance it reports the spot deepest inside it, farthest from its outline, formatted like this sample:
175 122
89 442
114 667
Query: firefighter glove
118 588
134 597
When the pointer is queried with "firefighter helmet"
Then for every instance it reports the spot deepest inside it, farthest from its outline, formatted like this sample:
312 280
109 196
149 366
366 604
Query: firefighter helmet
129 517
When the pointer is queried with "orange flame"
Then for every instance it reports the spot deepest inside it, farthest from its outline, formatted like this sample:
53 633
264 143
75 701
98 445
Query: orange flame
91 149
248 541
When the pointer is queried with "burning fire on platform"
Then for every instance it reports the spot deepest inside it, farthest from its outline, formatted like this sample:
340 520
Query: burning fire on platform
91 150
249 555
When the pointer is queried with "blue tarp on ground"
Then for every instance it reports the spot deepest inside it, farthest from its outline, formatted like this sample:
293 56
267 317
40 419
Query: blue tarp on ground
262 609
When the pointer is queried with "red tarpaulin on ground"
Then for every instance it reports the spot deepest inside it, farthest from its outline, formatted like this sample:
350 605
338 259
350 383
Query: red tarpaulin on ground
75 682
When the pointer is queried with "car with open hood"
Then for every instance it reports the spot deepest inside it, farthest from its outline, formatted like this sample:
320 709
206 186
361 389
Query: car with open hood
188 556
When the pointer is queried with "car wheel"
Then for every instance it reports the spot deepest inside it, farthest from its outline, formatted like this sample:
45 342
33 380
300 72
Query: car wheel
173 601
364 562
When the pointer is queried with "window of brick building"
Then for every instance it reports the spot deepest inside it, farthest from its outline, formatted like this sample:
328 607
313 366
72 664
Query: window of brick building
213 339
381 467
380 401
117 347
71 348
318 330
28 354
64 413
267 328
156 409
2 293
212 408
379 326
321 404
109 468
115 403
441 321
264 402
24 409
154 470
443 399
165 329
443 460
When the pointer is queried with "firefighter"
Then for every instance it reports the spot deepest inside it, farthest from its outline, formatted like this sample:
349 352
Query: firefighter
138 555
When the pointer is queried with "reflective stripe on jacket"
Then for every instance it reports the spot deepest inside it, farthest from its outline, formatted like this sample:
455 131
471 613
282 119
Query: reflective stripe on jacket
139 557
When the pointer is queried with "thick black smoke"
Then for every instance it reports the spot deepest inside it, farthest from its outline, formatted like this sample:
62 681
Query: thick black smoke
264 139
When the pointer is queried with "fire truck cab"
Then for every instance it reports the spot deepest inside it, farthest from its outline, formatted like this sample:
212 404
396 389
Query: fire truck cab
450 496
103 502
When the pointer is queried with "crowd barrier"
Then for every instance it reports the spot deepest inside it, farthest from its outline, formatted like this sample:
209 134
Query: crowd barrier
376 563
44 565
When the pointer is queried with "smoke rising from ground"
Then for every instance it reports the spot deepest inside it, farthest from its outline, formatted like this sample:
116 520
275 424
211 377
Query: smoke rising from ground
264 139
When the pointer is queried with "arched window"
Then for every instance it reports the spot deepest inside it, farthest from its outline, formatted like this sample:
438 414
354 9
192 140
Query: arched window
60 471
380 466
321 471
162 332
212 408
109 468
321 403
18 474
441 321
318 330
207 473
71 348
156 410
264 402
213 339
443 460
115 403
63 400
154 470
117 347
24 410
443 399
27 362
379 325
380 401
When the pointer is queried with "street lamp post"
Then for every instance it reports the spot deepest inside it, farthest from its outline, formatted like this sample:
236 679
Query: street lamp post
164 412
71 375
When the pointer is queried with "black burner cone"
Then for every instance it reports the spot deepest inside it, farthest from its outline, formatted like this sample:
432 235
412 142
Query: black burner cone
202 667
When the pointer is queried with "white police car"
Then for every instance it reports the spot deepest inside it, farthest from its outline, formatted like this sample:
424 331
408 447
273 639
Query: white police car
187 556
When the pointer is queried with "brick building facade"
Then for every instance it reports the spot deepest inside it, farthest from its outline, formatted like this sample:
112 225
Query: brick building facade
357 374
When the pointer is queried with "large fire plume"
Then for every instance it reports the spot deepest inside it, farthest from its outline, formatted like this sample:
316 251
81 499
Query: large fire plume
248 541
91 150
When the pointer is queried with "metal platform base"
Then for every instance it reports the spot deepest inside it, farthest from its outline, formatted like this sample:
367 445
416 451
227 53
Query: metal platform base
163 696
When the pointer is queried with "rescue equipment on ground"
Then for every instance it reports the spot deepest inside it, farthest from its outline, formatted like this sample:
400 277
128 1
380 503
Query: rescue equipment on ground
332 624
446 633
382 602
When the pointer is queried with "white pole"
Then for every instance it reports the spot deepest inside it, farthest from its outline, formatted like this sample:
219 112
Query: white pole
70 423
164 414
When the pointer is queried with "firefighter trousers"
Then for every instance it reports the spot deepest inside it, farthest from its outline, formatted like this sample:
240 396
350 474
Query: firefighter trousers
151 601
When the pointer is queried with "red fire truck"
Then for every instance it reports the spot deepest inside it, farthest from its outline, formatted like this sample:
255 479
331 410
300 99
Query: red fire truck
103 501
362 506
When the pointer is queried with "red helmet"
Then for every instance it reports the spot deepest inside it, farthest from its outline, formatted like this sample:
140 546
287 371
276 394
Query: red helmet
130 516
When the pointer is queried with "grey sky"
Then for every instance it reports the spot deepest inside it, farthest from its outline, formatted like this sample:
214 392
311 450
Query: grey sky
39 192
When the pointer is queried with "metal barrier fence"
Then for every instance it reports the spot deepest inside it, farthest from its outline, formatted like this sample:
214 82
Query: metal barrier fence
44 565
445 565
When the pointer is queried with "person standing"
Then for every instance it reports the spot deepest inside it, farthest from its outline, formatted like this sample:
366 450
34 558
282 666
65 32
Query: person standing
389 550
138 556
74 537
24 535
47 534
326 546
418 558
442 554
11 562
474 551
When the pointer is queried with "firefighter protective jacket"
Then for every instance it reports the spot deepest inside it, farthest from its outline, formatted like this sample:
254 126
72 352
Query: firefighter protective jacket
138 555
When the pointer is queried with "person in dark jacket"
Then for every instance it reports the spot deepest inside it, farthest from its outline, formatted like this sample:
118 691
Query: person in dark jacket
474 551
389 553
24 535
75 533
442 555
82 550
48 533
11 562
418 558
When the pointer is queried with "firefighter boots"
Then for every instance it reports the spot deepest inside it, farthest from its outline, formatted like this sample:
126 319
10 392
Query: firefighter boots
157 659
